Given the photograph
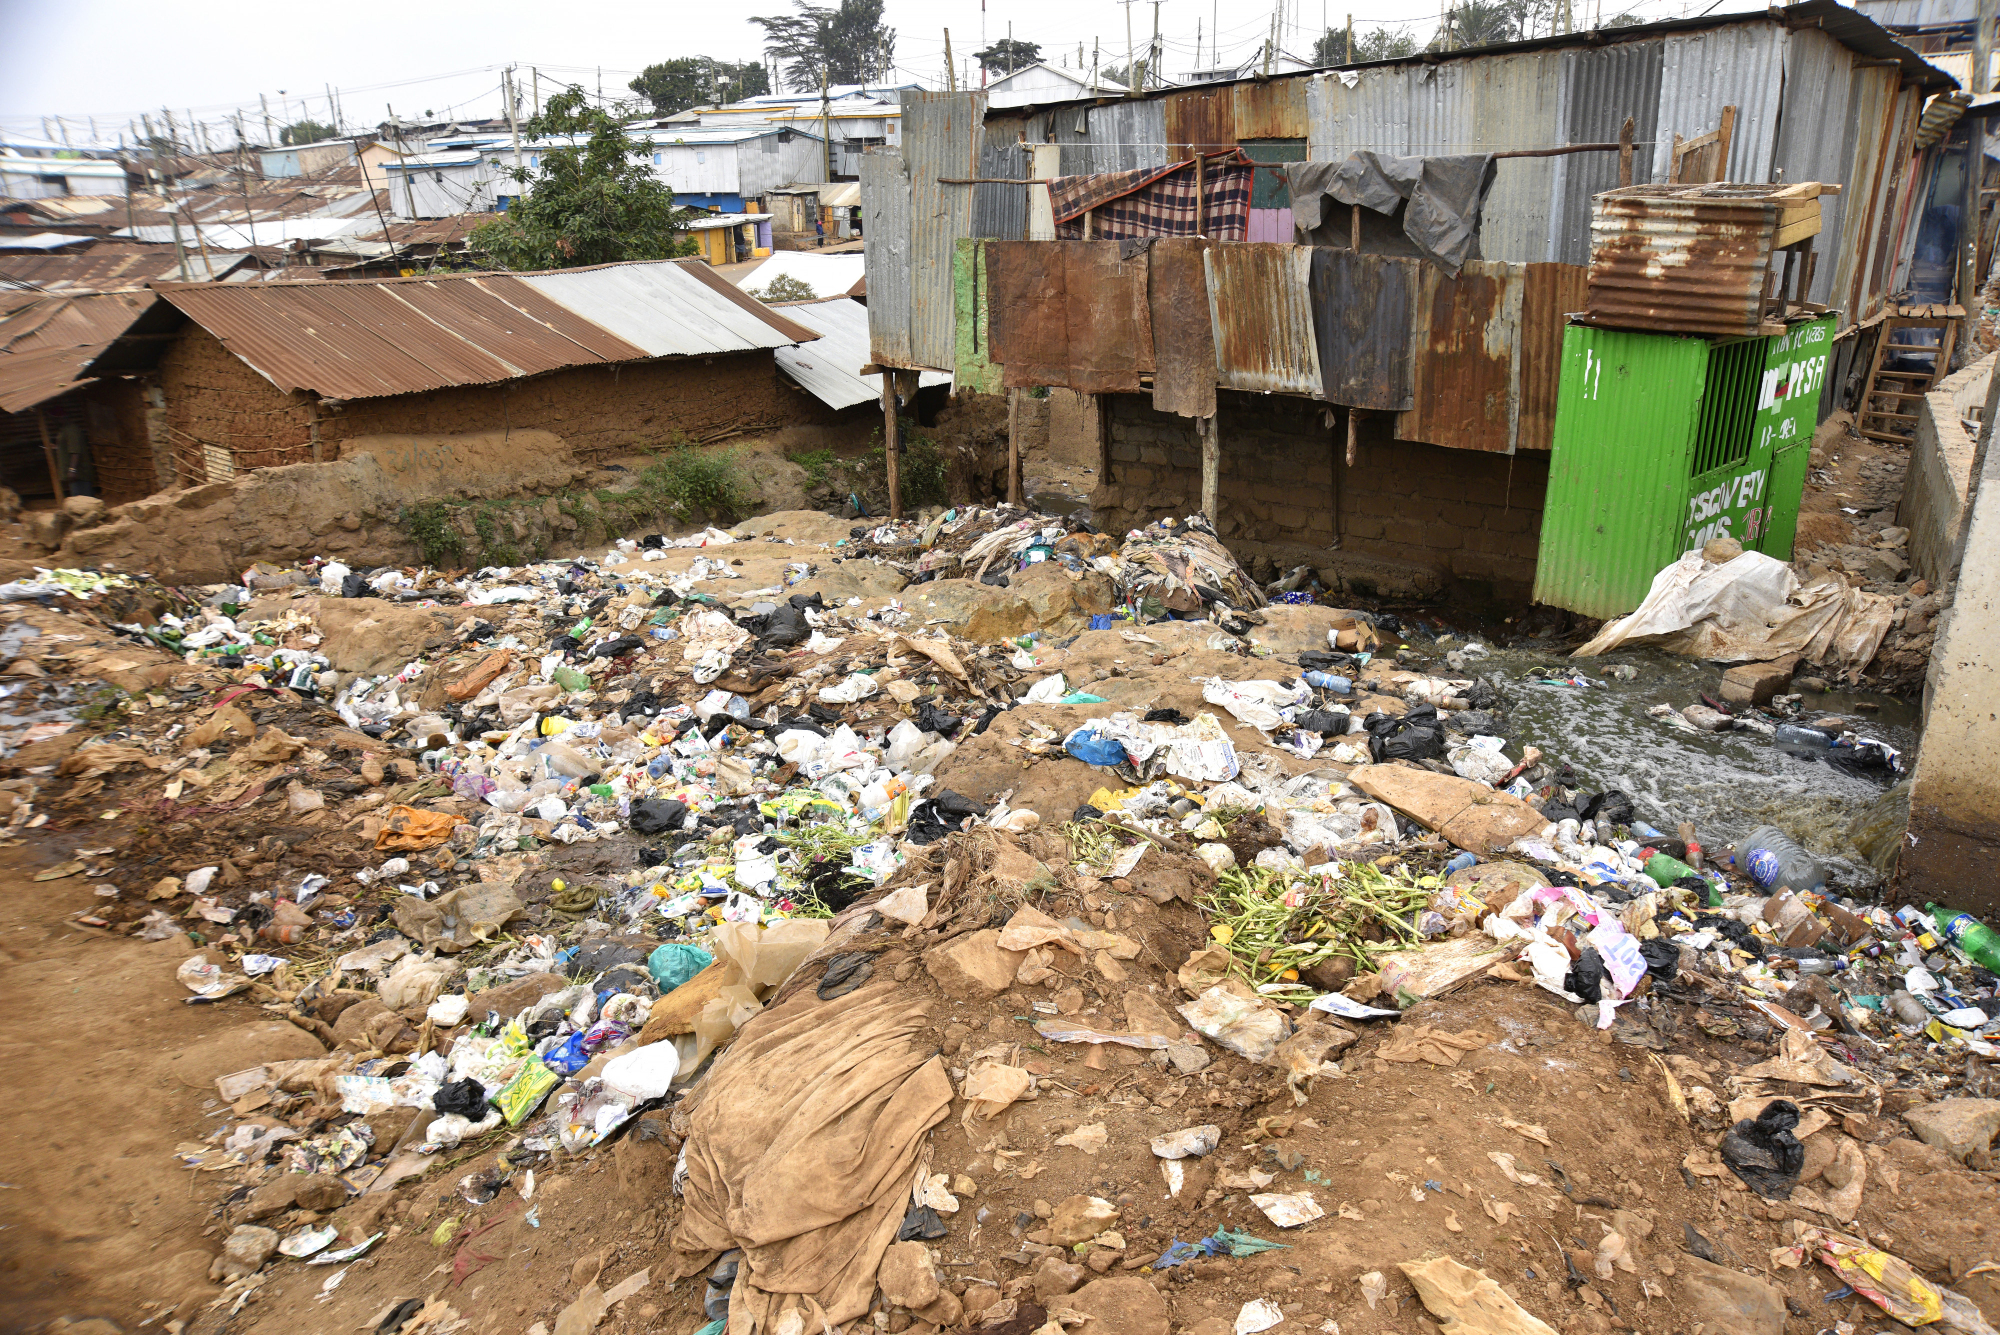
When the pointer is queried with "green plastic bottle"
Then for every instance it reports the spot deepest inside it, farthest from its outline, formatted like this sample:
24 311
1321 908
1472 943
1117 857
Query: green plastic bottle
1970 935
1664 870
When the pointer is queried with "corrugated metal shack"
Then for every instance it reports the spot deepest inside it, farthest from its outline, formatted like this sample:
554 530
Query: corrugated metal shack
1430 465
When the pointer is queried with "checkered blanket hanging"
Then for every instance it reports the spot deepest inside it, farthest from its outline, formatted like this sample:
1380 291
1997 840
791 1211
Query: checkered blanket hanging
1157 201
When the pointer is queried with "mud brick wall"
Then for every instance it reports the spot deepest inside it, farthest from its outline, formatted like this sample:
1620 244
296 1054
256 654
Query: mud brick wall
120 449
1288 495
223 416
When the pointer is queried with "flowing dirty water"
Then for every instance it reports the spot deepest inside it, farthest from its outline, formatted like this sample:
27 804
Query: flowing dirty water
1726 783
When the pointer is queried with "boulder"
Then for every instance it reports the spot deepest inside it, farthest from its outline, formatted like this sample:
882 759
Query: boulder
84 510
1756 683
906 1276
281 1193
1956 1126
1125 1306
45 528
1055 1278
1724 1299
972 967
245 1252
1042 597
1080 1218
369 635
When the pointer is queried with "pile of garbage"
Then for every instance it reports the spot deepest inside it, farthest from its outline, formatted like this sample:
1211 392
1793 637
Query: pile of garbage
588 835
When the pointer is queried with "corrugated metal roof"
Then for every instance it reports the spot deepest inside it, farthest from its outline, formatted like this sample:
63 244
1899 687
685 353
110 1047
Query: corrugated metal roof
830 368
1741 66
115 266
1001 211
42 241
826 275
1260 307
46 340
369 338
1816 138
1600 88
1121 136
1918 13
1681 263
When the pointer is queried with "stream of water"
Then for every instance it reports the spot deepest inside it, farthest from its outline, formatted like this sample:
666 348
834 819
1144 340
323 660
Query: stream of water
1726 783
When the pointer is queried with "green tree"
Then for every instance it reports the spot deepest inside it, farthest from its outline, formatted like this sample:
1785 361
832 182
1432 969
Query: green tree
595 202
845 45
676 85
1375 44
1007 55
1478 23
307 132
1121 76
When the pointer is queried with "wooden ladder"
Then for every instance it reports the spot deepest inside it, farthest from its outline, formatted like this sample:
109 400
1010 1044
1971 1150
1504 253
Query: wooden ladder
1903 390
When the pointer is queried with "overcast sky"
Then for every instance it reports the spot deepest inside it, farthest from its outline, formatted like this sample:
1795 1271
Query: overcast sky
113 59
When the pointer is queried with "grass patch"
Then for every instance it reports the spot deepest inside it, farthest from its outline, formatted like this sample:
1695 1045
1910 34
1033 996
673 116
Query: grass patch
924 470
430 524
816 463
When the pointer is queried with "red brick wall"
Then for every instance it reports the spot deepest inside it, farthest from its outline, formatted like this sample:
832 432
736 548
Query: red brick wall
216 403
1287 491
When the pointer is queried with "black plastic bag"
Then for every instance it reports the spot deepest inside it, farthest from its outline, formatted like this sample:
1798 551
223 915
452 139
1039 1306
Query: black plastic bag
653 815
944 813
1414 736
932 719
465 1097
780 629
1612 805
624 644
1764 1152
1166 716
1586 976
1326 660
844 973
1663 959
354 586
1557 810
921 1224
1325 722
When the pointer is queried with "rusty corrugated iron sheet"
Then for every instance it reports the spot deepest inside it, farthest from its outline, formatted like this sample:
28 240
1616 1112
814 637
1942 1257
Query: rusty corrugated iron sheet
1680 263
1261 310
369 338
1183 340
1200 119
1552 293
1465 362
942 137
1362 307
45 341
1069 313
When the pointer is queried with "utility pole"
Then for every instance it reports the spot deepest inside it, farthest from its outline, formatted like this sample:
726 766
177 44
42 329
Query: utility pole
1153 50
513 124
950 72
536 75
159 160
1350 39
1982 48
826 122
270 135
1131 66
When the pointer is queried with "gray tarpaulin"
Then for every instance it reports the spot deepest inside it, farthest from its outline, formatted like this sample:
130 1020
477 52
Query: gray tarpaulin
1444 197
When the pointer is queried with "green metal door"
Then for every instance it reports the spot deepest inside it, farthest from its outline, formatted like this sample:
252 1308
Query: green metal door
1754 439
1626 412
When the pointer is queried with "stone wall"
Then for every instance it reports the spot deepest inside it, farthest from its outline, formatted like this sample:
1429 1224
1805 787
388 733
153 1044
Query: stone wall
1404 518
224 418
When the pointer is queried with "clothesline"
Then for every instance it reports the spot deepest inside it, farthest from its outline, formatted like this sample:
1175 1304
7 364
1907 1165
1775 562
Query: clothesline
1182 143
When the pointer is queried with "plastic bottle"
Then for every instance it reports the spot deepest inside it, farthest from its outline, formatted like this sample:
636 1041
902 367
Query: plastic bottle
1326 681
1664 871
1907 1008
1970 935
1791 734
1770 858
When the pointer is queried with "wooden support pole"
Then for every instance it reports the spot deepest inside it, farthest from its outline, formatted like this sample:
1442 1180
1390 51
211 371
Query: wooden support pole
1200 191
1354 228
49 453
1211 466
1353 436
1013 447
892 444
1625 153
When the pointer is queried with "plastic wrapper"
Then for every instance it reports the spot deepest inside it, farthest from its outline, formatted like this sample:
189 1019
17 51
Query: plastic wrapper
521 1095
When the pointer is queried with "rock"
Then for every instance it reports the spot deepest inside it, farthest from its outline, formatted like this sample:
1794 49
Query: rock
1719 550
1884 567
1756 683
946 1311
1040 597
1188 1058
1819 1153
1331 975
510 999
1892 537
973 967
84 510
1471 815
1055 1277
281 1193
906 1276
1708 720
240 1047
1292 628
1080 1218
1816 685
369 635
1128 1306
390 1124
323 1193
1728 1300
1956 1126
352 1029
245 1252
45 528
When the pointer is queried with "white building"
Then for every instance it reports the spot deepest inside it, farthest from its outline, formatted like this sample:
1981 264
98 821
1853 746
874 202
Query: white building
1041 83
41 169
730 167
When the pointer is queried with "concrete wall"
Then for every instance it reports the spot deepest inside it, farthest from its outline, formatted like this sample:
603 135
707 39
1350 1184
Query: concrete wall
1951 853
1940 469
225 418
1405 518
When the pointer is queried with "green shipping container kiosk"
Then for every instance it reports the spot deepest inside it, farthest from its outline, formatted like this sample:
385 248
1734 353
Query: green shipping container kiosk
1664 441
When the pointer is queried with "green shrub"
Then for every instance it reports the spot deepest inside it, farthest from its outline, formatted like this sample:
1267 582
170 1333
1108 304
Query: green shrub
429 523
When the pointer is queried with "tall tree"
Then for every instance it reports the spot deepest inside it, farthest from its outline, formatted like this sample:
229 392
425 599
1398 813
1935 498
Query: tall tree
594 202
306 132
1007 55
1375 44
1478 23
676 85
845 45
